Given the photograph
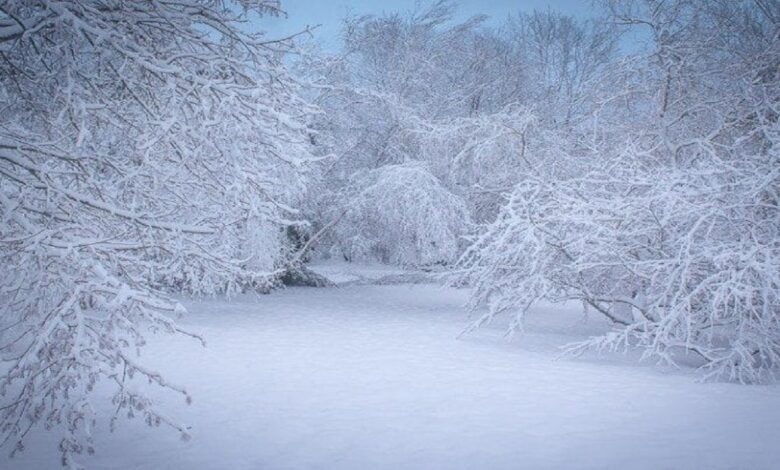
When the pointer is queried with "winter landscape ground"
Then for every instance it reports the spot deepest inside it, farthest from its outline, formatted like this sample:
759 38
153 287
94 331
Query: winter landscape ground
366 376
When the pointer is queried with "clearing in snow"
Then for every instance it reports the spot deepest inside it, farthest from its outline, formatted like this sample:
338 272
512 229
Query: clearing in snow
374 376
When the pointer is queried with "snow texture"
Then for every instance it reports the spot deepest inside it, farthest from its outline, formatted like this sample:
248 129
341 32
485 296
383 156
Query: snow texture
363 376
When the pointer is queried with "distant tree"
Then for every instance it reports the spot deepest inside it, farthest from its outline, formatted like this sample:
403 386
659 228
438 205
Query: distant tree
462 98
400 214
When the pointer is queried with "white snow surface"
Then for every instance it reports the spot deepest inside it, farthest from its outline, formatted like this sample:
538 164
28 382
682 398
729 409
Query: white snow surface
374 377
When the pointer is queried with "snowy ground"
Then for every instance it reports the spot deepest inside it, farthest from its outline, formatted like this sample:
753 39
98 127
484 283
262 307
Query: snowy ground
365 377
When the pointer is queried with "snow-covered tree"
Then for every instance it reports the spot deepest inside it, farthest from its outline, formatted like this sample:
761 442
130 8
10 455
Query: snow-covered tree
669 225
457 96
146 148
400 214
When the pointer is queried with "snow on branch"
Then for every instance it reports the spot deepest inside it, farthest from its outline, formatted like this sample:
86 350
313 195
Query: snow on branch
144 147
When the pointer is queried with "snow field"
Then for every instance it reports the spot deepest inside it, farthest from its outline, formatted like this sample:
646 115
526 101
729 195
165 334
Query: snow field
362 377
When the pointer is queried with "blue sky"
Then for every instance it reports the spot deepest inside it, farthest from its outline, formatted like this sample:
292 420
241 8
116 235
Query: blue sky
328 13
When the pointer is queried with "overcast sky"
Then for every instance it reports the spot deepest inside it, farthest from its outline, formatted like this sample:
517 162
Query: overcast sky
328 13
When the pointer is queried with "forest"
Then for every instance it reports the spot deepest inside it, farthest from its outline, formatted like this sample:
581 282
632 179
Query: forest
471 203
